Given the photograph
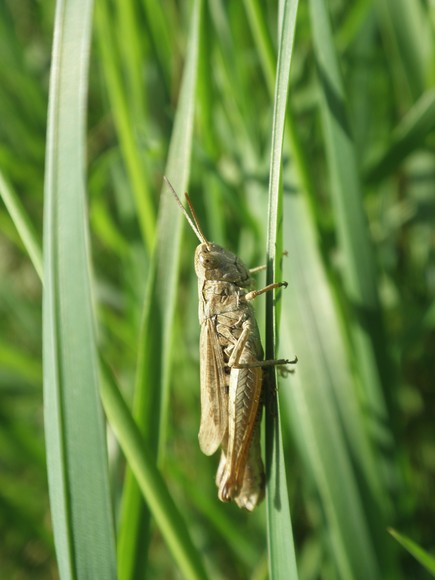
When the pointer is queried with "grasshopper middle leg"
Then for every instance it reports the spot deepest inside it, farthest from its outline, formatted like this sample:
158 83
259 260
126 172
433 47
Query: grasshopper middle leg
234 361
268 288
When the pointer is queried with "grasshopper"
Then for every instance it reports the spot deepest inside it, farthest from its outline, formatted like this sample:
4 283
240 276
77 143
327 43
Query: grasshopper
231 367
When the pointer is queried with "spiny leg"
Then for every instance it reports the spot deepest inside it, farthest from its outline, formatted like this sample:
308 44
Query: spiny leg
238 349
266 363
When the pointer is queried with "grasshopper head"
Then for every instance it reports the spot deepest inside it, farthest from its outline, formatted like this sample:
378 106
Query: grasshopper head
212 262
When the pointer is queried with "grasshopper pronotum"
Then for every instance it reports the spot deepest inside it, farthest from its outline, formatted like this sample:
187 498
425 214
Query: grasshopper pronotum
231 368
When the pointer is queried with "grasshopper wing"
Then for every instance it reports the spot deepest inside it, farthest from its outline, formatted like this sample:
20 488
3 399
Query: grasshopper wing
213 390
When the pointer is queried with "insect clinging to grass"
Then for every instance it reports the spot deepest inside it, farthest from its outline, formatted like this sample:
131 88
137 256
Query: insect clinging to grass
231 363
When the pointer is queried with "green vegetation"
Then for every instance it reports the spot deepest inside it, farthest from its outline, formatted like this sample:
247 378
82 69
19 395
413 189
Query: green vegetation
340 203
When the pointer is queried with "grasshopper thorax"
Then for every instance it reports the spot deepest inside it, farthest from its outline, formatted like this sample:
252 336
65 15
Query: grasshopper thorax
212 262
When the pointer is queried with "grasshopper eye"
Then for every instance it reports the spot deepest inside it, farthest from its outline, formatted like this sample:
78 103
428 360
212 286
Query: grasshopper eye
208 260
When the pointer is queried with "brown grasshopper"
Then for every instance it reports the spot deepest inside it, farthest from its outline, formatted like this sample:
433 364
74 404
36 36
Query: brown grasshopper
231 361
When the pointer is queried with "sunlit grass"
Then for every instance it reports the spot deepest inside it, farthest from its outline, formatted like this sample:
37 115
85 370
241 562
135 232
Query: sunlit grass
194 99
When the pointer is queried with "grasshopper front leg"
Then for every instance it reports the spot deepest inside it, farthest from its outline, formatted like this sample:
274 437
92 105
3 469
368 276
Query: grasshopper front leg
234 359
268 288
257 269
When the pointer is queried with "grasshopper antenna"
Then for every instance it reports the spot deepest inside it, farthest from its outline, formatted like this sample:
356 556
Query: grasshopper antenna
193 221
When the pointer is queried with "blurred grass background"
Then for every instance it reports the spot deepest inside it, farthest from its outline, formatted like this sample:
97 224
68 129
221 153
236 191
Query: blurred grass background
358 414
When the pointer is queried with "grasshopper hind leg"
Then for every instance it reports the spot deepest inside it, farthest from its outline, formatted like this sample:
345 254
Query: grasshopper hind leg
251 492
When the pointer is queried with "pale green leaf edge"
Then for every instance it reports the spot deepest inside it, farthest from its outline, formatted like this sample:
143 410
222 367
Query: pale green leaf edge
282 558
23 224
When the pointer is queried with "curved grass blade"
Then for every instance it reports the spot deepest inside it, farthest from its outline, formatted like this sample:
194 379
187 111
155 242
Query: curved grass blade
282 560
153 372
23 224
74 423
152 485
415 550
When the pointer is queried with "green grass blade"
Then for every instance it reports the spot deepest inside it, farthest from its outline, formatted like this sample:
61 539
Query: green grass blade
409 39
152 485
263 41
74 424
267 59
321 400
340 468
282 559
407 138
22 223
419 554
129 25
124 122
325 413
155 345
160 33
358 270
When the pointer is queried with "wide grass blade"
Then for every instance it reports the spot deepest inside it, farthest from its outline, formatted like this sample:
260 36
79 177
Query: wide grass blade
358 263
321 400
74 423
282 559
323 403
153 372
